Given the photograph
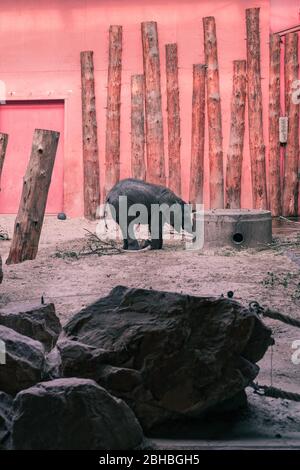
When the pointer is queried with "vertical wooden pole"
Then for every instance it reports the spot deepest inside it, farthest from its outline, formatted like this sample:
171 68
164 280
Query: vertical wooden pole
173 109
91 182
237 132
153 107
214 115
198 134
3 146
255 111
30 217
290 177
113 115
138 168
274 114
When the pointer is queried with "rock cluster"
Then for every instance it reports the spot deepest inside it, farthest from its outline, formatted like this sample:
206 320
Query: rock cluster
135 356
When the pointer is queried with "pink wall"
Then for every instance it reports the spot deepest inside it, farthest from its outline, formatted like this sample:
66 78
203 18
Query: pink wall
284 14
19 119
41 41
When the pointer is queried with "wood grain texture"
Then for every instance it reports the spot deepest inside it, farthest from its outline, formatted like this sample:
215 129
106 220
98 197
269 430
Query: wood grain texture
237 133
138 167
36 183
113 110
214 115
255 111
198 135
91 178
153 106
291 160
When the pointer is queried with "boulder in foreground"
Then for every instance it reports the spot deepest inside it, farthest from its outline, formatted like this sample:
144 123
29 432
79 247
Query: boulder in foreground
73 414
5 419
24 361
39 322
168 355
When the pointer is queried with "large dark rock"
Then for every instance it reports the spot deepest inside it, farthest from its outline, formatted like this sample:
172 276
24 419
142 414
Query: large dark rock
5 419
73 414
36 321
167 355
24 361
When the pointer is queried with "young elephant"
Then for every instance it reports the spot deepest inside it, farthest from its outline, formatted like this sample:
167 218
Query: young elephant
134 201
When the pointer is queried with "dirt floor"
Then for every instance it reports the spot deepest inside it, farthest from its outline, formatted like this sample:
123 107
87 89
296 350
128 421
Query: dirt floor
270 277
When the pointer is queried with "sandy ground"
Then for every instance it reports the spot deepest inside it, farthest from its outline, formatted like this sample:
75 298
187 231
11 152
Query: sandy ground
270 277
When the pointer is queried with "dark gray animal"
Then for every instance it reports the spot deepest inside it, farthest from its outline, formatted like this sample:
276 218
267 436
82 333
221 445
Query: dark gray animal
148 195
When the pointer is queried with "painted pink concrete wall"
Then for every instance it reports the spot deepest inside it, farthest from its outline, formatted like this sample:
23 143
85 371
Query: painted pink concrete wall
18 119
41 40
284 14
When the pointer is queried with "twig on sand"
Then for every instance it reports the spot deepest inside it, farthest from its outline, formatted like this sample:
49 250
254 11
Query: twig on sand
98 246
281 244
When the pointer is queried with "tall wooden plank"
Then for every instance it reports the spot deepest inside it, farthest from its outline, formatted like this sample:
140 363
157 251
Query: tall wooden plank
214 115
113 111
255 111
236 139
36 183
274 114
198 135
138 167
153 106
173 110
291 161
91 181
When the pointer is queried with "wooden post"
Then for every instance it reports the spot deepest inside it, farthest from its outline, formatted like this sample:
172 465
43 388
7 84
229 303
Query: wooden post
91 182
237 132
214 115
138 168
274 114
113 115
255 112
198 134
29 220
173 109
3 146
290 177
153 107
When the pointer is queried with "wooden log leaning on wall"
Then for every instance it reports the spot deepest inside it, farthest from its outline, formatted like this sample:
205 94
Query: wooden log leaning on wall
237 133
274 114
153 106
91 181
290 177
113 111
36 183
255 111
3 146
173 109
214 115
198 135
138 168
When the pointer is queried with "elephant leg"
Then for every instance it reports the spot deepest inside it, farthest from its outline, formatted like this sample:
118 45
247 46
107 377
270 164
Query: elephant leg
157 237
129 240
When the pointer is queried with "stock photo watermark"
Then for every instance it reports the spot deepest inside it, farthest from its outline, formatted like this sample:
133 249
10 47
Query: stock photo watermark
296 354
170 222
2 352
